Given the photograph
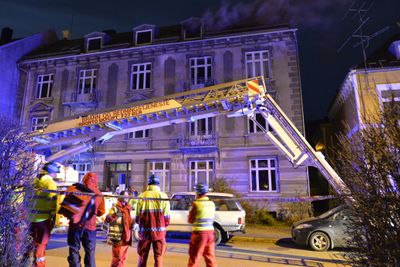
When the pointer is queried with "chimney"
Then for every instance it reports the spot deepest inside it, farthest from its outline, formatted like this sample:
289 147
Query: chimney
6 35
66 34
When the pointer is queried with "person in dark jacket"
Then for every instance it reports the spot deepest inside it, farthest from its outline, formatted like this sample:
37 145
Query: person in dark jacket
120 225
85 232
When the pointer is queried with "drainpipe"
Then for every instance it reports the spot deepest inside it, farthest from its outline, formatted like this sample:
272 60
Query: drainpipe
21 119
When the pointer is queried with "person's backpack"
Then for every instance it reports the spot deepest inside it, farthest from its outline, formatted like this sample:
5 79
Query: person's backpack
78 208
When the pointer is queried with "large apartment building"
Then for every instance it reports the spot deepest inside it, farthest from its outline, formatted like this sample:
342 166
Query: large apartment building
108 69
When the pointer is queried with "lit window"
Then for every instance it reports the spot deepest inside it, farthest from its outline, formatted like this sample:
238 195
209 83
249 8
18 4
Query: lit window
264 175
94 43
254 128
144 37
202 127
140 76
257 64
162 170
44 86
139 134
87 81
82 168
201 171
200 70
113 174
39 123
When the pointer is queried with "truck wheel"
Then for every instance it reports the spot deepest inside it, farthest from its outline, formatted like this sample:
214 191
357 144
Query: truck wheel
319 241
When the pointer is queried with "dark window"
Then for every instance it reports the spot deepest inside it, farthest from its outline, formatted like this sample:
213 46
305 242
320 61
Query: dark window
94 44
143 37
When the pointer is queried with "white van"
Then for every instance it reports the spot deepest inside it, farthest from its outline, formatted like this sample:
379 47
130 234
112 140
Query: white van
229 215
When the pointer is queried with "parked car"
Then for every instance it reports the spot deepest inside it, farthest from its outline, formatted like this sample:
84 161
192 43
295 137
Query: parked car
229 215
324 232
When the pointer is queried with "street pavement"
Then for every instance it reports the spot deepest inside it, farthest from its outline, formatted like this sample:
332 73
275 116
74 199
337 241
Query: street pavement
260 246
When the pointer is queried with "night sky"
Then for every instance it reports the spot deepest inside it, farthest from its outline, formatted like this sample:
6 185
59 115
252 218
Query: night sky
322 29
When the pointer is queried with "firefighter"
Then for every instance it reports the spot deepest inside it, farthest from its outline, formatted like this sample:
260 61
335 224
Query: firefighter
201 216
120 226
43 211
153 219
83 230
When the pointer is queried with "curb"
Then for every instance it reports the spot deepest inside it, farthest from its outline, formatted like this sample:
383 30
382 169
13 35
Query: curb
254 239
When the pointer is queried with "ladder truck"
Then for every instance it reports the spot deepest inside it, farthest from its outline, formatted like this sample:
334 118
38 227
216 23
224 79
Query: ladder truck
238 98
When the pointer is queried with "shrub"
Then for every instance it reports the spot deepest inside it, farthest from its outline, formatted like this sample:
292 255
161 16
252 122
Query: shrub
294 211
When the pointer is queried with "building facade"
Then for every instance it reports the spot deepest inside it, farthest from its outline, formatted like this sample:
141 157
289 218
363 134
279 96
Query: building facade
106 69
11 51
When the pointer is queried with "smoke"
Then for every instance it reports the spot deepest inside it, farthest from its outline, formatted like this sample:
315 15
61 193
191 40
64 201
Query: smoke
298 13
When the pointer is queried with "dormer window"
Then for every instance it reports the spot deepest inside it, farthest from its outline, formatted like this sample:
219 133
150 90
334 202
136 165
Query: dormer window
192 28
94 43
144 37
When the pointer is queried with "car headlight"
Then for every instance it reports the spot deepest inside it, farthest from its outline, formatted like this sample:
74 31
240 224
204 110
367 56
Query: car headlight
303 226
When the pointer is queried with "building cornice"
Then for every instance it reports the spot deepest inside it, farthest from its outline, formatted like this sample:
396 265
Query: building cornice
150 50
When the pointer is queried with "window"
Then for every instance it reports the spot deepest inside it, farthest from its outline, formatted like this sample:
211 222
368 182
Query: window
140 76
139 134
115 171
202 127
257 64
200 70
144 37
94 43
87 81
264 175
82 168
162 170
254 128
201 171
39 123
44 86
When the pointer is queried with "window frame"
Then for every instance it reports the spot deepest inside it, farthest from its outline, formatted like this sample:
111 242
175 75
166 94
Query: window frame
165 177
207 132
36 126
84 77
87 168
145 134
40 83
194 65
263 63
139 72
209 172
143 31
252 127
91 39
257 169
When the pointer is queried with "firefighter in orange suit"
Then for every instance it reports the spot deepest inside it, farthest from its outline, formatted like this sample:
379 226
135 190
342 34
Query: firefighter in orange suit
153 219
201 216
43 211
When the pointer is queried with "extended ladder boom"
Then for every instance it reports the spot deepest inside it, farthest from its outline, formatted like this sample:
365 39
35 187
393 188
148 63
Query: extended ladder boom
239 98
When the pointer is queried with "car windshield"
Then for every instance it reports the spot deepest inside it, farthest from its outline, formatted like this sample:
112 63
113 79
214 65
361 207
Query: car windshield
330 212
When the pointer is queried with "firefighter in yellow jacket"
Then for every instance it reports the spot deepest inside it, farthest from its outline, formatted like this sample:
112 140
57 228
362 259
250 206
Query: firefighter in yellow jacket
43 211
201 216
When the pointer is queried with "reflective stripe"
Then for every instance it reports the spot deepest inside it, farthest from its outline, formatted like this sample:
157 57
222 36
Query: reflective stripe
42 211
41 259
153 229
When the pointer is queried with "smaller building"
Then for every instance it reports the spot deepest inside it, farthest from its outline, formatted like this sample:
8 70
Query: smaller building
11 51
367 89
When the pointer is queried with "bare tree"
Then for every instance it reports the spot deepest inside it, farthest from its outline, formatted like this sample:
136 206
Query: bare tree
17 167
369 162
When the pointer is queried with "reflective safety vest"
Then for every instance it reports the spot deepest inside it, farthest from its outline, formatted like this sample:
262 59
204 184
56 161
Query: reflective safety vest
45 204
114 235
205 213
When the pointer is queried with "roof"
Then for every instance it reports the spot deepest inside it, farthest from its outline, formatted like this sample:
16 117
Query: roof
162 35
382 57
